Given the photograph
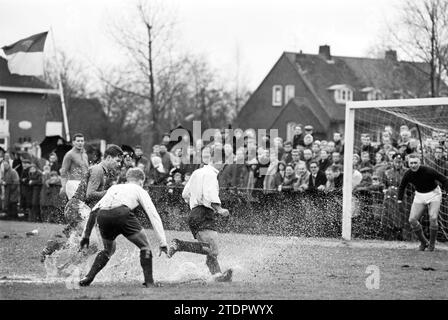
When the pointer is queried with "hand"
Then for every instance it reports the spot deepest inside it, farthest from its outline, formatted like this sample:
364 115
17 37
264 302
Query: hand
321 188
223 212
84 243
163 249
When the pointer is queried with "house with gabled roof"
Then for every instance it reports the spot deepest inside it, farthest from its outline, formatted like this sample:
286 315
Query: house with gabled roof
30 110
313 89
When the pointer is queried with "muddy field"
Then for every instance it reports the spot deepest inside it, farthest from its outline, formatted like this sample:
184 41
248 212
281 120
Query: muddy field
264 268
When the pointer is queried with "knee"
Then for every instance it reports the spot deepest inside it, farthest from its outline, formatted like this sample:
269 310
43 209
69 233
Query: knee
413 221
145 252
109 252
433 222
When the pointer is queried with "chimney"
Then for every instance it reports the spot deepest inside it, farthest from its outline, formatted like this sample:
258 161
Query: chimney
391 55
324 51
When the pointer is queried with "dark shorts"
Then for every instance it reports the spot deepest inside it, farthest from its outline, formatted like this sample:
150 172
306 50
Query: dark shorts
201 218
117 221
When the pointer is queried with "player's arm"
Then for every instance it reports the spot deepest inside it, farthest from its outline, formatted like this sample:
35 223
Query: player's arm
186 192
404 182
145 201
441 178
65 168
96 176
211 195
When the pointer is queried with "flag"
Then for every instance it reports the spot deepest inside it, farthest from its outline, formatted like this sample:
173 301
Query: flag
26 56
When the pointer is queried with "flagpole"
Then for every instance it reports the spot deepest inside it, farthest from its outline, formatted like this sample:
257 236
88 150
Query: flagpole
61 89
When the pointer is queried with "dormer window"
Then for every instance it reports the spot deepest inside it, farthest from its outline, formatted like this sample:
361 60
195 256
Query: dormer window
342 93
289 93
372 93
277 96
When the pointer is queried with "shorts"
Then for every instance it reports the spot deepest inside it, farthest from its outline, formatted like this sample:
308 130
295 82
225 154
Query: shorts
117 221
428 197
201 218
70 188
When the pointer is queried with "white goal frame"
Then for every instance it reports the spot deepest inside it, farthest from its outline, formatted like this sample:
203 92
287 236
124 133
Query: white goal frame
349 135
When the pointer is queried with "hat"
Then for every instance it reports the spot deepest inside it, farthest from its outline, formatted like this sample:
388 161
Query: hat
253 161
308 128
365 169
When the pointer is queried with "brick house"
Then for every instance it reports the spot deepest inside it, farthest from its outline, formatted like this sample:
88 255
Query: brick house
30 110
312 89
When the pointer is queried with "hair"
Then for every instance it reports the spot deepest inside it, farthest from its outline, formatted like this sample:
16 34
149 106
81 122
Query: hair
289 165
113 150
138 147
217 154
287 143
315 162
414 155
77 135
336 168
135 174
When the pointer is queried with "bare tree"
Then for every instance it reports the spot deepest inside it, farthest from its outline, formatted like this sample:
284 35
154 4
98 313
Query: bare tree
422 35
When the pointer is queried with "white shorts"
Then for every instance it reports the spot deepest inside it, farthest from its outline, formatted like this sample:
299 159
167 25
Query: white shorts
70 188
428 197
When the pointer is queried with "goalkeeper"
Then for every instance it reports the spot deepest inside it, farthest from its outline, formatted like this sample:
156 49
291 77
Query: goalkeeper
428 193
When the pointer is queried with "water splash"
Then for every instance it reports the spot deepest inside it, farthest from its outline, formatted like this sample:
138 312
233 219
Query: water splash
69 259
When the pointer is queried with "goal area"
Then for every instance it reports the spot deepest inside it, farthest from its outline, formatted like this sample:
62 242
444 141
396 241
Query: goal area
386 129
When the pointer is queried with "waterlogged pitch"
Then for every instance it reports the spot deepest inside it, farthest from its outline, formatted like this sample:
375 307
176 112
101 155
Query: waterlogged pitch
264 268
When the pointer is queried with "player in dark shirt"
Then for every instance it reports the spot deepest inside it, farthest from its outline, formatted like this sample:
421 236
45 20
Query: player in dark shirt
91 189
427 193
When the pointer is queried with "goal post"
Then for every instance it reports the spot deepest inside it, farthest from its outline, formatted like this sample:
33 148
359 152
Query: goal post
428 114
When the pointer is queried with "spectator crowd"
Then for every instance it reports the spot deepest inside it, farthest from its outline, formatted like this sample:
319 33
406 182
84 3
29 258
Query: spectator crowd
303 164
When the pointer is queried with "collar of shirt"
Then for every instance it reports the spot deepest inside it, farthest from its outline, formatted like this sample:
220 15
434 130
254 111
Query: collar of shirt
212 168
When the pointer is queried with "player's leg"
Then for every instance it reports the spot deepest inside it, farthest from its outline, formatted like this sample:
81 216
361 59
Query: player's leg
211 237
177 245
417 210
100 262
199 219
433 211
141 241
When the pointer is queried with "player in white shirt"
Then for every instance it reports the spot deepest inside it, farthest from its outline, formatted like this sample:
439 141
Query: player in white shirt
114 216
202 194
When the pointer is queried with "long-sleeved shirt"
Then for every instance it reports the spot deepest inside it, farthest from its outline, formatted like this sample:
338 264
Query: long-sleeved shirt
424 180
202 188
74 165
132 195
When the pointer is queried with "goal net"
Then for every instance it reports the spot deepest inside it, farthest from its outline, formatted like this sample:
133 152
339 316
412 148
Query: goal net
378 137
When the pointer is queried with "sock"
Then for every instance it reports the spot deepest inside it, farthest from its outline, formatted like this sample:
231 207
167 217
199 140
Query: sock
100 262
193 247
418 230
146 263
433 234
212 264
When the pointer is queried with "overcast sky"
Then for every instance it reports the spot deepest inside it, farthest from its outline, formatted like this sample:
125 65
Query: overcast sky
261 30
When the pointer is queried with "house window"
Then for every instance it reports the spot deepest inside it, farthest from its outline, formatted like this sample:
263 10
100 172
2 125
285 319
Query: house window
343 95
2 109
289 93
277 96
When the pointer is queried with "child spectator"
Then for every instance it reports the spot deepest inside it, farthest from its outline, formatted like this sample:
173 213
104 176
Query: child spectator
289 180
